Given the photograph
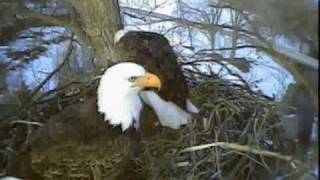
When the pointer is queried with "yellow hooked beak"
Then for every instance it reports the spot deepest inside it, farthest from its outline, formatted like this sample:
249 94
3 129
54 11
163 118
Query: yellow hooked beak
148 81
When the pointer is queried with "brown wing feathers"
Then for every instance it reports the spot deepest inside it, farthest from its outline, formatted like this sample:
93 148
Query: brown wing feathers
154 53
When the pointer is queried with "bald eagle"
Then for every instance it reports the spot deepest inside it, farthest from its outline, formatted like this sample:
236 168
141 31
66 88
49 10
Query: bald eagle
124 87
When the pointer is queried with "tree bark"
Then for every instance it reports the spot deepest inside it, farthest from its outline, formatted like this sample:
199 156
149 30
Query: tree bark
100 20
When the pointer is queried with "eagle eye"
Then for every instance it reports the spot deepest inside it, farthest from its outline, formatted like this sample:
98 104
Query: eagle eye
133 78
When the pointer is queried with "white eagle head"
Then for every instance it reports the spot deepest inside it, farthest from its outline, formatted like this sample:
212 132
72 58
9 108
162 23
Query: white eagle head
118 93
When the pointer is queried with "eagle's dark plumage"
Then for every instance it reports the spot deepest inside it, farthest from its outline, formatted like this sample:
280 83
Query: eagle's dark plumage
154 53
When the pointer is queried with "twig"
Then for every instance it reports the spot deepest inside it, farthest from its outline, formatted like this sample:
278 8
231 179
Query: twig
65 60
245 148
27 122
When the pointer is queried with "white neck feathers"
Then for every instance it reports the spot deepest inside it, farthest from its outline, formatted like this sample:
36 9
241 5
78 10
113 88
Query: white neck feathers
119 104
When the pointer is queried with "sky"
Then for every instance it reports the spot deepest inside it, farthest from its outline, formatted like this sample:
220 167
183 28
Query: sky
273 79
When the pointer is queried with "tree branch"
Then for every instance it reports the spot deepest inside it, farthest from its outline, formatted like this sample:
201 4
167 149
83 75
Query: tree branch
65 60
296 56
57 21
185 22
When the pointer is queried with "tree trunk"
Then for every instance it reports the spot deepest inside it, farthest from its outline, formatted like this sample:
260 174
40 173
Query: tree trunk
99 20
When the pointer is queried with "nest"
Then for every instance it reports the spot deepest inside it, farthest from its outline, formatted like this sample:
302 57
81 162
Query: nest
237 135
